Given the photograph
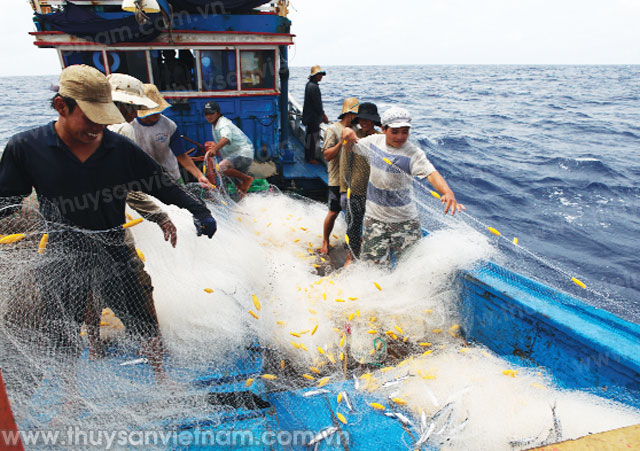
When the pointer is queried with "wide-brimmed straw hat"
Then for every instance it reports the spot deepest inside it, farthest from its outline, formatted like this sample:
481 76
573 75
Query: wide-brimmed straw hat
368 110
151 91
315 70
92 92
350 105
129 90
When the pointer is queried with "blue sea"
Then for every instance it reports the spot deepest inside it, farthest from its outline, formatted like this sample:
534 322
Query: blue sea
548 154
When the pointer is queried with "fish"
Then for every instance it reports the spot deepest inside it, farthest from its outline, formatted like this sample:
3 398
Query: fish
323 435
356 382
400 417
135 362
347 401
318 391
395 381
424 435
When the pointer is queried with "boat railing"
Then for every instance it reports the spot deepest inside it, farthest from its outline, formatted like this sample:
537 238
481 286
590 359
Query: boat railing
46 6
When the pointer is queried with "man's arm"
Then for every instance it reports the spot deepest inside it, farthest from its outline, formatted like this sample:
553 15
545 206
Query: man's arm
447 196
156 182
215 147
15 182
333 144
189 165
150 211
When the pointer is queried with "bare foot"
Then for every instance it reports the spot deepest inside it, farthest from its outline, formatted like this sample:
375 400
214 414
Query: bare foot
244 186
313 162
324 249
348 261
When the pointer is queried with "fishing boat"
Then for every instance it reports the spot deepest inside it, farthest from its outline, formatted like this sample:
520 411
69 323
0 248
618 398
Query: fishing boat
237 55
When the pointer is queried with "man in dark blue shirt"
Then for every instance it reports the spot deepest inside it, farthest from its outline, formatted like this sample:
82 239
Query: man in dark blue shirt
313 113
82 173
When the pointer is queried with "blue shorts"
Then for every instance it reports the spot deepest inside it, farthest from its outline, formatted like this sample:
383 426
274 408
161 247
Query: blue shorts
237 162
334 199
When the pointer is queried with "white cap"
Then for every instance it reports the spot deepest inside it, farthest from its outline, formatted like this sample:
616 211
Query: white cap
396 117
129 90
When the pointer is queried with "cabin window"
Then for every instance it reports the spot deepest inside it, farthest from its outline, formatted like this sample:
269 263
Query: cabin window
218 70
92 58
132 63
258 69
174 70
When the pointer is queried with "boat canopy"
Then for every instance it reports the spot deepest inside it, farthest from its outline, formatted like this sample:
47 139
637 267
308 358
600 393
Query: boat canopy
224 6
86 24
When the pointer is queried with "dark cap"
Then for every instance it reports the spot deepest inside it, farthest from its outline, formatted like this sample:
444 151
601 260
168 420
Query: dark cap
368 110
211 107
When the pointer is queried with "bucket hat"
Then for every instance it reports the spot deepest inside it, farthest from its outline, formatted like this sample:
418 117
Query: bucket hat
396 117
350 105
368 110
129 90
92 92
151 91
315 70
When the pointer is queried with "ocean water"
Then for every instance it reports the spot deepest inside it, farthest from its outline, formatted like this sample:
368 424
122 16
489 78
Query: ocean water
548 154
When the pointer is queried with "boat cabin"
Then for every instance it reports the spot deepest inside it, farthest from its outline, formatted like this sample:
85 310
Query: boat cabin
233 52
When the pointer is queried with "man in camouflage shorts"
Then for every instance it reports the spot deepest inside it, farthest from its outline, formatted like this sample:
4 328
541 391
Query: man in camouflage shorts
391 222
385 238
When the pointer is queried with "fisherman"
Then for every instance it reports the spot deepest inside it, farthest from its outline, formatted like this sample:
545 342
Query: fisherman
331 152
160 138
128 95
391 222
232 145
354 178
81 173
313 114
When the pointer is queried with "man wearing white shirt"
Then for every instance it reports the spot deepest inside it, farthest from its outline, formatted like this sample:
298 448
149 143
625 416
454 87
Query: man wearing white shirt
233 146
391 222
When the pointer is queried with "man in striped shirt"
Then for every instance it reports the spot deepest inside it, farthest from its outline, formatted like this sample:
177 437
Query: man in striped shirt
391 222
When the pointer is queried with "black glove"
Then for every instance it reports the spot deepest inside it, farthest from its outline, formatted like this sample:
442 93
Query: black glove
205 226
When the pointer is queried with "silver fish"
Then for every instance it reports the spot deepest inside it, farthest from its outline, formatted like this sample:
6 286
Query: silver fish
347 401
425 436
400 417
423 421
553 436
555 433
135 362
316 392
447 422
356 382
323 435
395 381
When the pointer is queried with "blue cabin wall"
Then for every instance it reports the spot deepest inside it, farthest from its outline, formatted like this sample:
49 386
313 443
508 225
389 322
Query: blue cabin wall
253 23
257 116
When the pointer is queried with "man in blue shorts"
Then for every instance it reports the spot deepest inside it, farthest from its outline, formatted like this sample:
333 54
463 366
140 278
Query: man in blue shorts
232 145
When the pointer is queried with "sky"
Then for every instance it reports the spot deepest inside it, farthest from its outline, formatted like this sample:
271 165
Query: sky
381 32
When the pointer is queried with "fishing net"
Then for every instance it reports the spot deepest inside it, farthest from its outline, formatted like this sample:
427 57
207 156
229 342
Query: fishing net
262 334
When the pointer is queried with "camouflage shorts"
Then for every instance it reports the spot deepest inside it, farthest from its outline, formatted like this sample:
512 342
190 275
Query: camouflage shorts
381 240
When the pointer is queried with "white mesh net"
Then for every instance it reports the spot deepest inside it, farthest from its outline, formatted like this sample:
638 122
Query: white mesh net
254 318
